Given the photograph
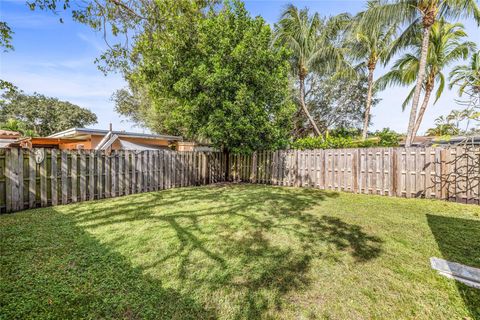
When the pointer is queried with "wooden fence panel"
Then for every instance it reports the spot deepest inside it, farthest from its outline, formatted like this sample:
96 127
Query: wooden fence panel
452 173
72 176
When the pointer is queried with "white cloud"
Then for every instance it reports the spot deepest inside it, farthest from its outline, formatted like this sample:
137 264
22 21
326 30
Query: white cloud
65 84
67 64
30 20
92 42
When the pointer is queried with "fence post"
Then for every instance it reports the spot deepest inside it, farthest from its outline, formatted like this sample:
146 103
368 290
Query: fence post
428 171
393 172
91 183
229 166
253 174
64 176
32 179
355 171
443 174
74 176
12 160
205 169
100 173
83 180
53 177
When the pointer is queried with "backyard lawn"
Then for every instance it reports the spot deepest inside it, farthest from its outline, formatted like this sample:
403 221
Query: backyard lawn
239 252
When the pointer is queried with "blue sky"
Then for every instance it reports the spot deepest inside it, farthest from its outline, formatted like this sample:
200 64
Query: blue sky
58 60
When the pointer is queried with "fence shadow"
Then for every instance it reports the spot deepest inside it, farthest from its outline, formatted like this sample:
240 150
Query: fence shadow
53 269
242 251
459 241
460 180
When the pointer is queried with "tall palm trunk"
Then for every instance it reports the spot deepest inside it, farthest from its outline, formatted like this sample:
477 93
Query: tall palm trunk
421 111
423 107
418 87
369 102
304 107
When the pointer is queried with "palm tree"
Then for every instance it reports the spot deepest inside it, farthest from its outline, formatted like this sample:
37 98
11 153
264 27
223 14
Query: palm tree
446 47
443 127
425 13
466 76
370 45
309 39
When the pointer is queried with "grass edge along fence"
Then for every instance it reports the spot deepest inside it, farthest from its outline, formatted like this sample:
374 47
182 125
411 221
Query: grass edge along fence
62 177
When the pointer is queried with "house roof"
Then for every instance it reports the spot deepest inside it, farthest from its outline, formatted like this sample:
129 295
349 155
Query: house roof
423 141
127 145
74 132
40 142
5 143
8 133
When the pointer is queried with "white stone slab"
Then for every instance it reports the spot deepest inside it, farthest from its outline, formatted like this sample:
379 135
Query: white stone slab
465 274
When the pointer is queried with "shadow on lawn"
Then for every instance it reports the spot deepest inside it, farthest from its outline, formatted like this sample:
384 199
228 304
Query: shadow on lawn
53 269
459 241
244 258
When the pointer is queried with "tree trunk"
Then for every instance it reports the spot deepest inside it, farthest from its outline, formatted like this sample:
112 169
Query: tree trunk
369 103
304 107
421 112
418 87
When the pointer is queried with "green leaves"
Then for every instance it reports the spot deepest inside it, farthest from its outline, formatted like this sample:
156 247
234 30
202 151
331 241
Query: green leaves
5 36
467 76
383 138
447 45
212 76
40 115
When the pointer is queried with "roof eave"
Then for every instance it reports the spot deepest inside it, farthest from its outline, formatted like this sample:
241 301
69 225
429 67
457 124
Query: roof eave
74 131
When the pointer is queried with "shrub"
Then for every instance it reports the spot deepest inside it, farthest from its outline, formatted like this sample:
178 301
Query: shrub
383 138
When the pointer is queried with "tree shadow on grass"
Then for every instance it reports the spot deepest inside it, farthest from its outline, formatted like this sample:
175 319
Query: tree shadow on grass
259 248
54 269
459 241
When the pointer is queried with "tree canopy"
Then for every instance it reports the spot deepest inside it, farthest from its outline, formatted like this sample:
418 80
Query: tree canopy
331 108
208 71
311 39
37 114
414 13
212 76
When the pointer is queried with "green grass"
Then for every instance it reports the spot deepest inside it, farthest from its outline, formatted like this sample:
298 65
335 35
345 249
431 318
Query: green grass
240 251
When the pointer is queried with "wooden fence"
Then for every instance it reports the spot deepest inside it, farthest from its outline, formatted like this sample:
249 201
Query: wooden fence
29 180
43 177
442 173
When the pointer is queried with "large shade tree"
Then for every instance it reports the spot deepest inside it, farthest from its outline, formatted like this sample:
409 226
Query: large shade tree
447 46
309 37
224 82
37 114
332 108
425 13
